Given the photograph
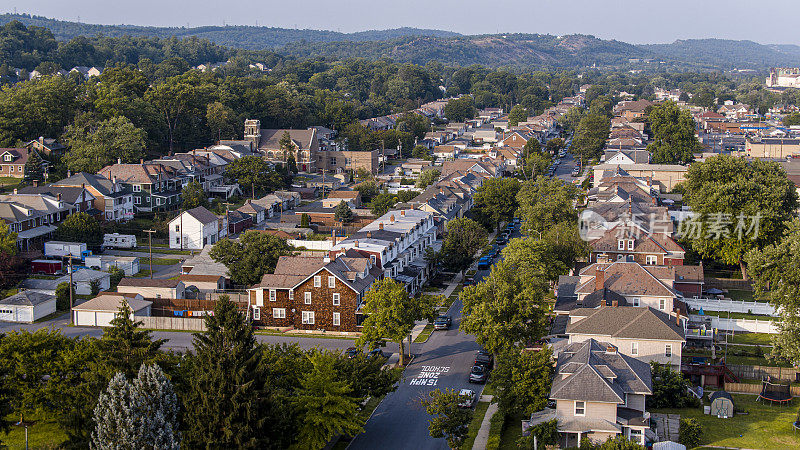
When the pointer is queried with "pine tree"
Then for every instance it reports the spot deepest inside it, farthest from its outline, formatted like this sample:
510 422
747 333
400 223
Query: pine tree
226 404
6 407
138 415
126 346
325 405
33 168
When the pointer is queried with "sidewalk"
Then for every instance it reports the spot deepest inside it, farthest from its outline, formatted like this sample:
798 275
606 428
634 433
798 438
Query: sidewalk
483 433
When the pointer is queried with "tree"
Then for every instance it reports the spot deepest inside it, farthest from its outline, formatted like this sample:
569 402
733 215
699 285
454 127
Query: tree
226 405
342 213
532 146
449 421
62 296
80 227
791 119
517 114
428 177
94 145
94 287
536 165
177 98
739 205
673 130
421 152
305 220
690 432
222 120
6 398
11 265
368 189
406 195
116 275
366 375
554 145
286 144
544 202
326 405
254 172
590 136
460 109
251 256
193 196
546 434
142 414
126 346
522 379
670 389
33 167
496 201
382 203
464 238
508 308
390 313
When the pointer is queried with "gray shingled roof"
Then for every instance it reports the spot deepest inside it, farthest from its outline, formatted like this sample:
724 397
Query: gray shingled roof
202 214
27 298
629 322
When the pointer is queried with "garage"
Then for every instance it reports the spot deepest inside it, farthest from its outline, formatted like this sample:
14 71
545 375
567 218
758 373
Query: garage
27 307
101 310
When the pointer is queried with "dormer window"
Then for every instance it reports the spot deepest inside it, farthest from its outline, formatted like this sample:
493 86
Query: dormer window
630 244
7 158
621 244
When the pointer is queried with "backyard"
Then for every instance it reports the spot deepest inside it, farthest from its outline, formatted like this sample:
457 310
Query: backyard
757 426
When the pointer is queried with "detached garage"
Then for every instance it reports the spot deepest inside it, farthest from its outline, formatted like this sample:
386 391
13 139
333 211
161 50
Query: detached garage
27 306
101 310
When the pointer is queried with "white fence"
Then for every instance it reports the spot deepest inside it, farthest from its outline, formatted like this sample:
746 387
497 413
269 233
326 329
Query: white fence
172 323
311 245
715 304
738 325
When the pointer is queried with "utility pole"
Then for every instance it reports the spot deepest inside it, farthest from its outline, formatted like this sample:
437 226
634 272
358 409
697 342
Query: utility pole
71 321
150 244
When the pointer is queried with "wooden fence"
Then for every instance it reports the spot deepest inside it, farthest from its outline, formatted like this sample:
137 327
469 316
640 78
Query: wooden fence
166 307
745 388
760 372
727 283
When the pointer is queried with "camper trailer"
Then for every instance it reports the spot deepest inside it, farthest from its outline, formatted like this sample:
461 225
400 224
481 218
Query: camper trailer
59 249
116 240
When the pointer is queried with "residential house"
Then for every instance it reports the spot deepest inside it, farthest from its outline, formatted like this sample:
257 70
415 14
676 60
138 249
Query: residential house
631 242
78 198
152 287
665 176
204 283
600 394
631 110
351 198
109 196
13 160
33 217
645 333
445 152
313 293
305 144
154 186
46 146
515 139
626 157
195 228
238 222
258 214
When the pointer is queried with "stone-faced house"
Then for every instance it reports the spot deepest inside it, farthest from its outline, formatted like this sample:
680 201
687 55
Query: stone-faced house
305 144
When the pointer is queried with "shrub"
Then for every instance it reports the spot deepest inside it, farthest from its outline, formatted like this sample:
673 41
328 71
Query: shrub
62 296
690 432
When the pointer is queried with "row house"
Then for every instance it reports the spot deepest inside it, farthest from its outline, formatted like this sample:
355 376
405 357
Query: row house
154 186
78 198
396 243
33 217
625 157
112 200
488 166
46 146
595 222
630 242
314 293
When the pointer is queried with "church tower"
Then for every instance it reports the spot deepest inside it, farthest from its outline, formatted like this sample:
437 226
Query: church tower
252 132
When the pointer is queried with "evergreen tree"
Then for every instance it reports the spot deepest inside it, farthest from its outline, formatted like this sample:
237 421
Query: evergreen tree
6 406
138 415
326 405
33 168
126 347
342 213
225 405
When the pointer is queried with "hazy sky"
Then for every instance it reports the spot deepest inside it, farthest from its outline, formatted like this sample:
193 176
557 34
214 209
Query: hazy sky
636 21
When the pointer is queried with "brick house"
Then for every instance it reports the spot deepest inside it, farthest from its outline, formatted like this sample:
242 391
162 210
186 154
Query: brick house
313 293
630 243
12 161
305 144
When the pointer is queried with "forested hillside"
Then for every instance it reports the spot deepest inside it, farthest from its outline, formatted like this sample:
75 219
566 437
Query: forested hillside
729 54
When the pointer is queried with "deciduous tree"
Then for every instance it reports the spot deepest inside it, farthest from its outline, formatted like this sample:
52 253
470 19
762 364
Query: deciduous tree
449 420
251 256
673 130
522 379
80 227
463 240
428 177
496 201
193 196
94 145
517 114
342 213
544 202
382 203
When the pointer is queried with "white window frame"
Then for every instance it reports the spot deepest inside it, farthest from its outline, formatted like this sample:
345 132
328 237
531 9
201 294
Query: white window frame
337 319
581 408
662 304
621 244
278 313
307 298
636 301
651 260
634 349
317 281
668 350
331 281
291 294
256 313
273 295
308 317
630 244
336 299
137 188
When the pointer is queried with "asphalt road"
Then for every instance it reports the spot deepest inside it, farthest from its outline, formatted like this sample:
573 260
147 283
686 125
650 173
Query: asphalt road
444 361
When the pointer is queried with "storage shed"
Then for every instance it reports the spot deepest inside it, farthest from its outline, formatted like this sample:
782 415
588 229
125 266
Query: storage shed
27 306
721 404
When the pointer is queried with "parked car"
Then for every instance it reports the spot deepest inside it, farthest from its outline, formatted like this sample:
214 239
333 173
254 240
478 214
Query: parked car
468 397
442 323
484 263
352 352
496 251
468 281
500 240
484 358
478 374
376 353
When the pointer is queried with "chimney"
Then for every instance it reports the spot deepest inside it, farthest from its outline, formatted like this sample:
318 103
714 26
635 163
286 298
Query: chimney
369 234
35 183
141 161
119 160
355 244
69 173
403 213
114 179
614 303
380 227
41 140
391 218
58 196
678 318
599 278
15 191
611 349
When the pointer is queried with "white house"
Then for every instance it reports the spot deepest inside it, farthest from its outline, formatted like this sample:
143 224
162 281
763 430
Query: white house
195 228
128 264
101 310
27 306
152 288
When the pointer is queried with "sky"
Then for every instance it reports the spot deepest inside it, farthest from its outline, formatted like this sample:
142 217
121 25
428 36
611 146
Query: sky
634 21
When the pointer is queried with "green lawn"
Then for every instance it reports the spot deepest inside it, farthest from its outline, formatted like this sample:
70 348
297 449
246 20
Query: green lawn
475 425
144 273
426 333
43 434
145 262
763 427
741 295
735 315
750 338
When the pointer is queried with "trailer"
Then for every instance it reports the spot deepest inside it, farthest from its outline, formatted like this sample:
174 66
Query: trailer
116 240
46 266
60 249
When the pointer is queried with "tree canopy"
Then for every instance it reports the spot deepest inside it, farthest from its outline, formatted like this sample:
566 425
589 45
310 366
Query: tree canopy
496 201
94 145
251 256
673 130
80 227
463 239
